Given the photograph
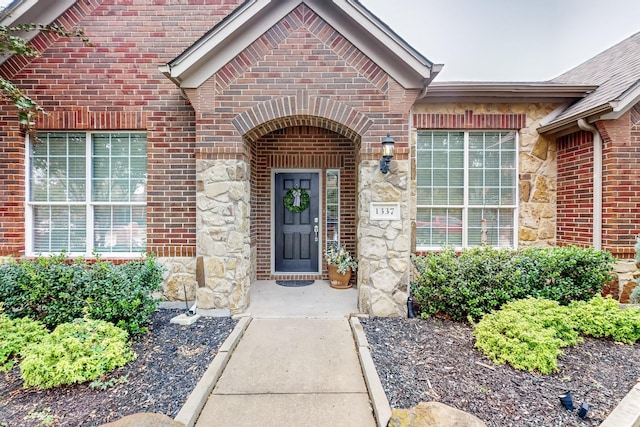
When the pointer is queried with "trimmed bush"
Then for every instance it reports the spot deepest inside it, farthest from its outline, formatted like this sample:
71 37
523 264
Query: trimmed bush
55 290
603 318
15 335
121 294
529 333
74 353
479 280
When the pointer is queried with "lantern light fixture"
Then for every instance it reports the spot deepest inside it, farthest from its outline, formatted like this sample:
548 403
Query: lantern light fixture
388 150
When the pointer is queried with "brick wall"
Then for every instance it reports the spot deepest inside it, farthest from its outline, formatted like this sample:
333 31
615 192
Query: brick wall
575 190
621 183
115 85
308 148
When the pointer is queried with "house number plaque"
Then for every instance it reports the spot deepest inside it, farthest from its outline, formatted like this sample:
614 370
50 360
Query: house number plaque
384 211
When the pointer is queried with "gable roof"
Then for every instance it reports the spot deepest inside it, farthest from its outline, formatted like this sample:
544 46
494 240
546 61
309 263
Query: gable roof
31 12
253 18
616 72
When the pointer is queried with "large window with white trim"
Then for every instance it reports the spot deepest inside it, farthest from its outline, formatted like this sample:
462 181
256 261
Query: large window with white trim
467 189
87 192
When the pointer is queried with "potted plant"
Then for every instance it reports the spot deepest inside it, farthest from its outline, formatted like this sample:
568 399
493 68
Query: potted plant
340 265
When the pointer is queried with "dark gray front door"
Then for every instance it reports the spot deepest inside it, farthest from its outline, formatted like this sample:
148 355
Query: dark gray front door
296 233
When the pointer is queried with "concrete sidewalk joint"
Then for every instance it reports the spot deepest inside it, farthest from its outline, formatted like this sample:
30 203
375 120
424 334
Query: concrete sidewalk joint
190 411
381 407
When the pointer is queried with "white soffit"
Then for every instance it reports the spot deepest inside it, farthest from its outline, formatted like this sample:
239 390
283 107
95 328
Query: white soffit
32 12
254 17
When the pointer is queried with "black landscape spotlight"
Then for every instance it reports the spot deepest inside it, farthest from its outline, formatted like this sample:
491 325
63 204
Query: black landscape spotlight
567 400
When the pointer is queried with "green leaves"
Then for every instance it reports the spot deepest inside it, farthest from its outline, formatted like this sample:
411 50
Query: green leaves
15 335
74 353
55 290
479 280
530 333
12 42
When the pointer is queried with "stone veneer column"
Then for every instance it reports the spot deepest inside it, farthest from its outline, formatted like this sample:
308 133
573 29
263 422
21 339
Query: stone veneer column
383 246
223 240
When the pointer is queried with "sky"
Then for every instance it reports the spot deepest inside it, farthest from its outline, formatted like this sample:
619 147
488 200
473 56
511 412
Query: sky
508 40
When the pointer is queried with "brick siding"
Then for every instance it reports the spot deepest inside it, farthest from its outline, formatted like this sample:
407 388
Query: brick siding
115 85
308 148
620 185
574 224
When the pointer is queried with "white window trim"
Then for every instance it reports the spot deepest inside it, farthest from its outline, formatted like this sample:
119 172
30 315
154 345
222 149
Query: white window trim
28 226
466 206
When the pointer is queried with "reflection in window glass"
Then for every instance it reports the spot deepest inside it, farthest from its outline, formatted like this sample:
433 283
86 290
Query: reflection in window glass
466 191
71 196
332 207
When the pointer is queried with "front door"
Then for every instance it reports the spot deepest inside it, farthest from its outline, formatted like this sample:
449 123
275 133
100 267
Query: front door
297 233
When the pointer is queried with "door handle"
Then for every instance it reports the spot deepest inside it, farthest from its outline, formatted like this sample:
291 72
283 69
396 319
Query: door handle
315 230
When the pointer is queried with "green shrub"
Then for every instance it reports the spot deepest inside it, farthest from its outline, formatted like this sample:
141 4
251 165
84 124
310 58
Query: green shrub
528 334
55 291
48 289
480 280
74 353
121 294
603 317
15 335
564 274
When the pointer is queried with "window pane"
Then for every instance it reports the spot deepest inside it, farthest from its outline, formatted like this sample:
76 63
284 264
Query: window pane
58 228
484 188
119 228
332 207
439 227
58 173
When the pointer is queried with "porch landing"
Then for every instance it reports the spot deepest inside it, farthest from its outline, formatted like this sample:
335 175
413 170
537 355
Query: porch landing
319 300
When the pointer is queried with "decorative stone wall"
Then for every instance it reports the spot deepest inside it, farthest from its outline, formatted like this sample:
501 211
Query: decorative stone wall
179 278
222 218
537 161
384 247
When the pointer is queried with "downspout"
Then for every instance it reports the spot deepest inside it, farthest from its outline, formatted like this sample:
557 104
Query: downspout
597 182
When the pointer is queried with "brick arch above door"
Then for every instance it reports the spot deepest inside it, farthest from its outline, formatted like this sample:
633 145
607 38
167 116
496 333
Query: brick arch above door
278 113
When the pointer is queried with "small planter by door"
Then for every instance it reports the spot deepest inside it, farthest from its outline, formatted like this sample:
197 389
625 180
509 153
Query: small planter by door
339 280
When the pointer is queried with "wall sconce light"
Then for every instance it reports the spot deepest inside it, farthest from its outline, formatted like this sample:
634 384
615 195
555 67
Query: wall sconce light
388 150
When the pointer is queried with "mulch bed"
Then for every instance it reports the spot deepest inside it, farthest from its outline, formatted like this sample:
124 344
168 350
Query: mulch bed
417 360
434 360
171 360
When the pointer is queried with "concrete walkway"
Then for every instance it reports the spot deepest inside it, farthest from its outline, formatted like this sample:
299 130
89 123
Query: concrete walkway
291 372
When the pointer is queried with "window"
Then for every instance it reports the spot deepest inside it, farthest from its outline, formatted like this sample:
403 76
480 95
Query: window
332 203
466 193
87 191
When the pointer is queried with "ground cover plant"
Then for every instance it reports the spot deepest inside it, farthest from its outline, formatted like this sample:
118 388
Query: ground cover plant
530 333
75 352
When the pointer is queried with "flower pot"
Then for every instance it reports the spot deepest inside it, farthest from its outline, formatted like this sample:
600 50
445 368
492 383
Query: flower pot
339 280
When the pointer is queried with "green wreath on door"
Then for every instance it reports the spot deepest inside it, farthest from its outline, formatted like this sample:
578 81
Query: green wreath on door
296 200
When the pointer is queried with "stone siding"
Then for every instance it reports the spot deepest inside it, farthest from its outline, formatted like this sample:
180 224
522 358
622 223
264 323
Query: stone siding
384 246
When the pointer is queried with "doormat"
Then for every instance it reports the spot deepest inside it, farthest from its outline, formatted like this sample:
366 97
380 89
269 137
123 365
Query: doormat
294 283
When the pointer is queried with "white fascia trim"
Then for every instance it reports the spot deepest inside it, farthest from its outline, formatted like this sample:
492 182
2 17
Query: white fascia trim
34 12
628 100
211 43
193 67
389 39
